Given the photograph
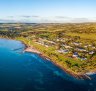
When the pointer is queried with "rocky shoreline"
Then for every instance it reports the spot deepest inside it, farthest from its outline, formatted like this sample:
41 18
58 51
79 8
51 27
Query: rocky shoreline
31 49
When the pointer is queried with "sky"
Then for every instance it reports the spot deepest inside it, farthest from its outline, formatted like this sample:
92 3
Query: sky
46 11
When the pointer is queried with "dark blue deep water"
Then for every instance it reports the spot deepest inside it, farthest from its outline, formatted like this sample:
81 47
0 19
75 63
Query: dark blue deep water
29 72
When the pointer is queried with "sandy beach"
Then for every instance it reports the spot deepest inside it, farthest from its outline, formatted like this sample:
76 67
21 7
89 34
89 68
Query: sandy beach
31 49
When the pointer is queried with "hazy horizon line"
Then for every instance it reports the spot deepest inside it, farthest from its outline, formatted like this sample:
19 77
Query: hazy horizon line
48 19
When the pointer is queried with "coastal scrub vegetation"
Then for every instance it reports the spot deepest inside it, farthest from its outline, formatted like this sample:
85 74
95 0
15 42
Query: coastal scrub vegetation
71 46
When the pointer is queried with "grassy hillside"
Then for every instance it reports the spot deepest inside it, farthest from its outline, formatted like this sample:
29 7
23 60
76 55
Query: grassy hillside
73 46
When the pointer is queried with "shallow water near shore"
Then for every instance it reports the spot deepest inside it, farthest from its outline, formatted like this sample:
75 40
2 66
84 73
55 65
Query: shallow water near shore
29 72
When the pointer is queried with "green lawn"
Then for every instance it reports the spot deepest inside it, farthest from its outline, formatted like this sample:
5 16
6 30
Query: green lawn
90 36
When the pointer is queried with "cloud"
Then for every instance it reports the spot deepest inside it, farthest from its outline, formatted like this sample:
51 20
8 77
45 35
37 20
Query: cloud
36 16
26 16
62 17
80 20
7 21
49 19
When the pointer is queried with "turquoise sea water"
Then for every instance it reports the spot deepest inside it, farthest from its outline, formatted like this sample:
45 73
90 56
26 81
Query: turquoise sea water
29 72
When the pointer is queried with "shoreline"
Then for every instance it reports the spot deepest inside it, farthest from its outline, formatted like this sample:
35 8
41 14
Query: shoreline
31 49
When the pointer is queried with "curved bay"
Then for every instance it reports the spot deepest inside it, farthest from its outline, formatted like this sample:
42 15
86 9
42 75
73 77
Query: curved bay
29 72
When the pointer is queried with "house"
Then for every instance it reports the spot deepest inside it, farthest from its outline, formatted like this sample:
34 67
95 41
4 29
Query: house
89 45
40 41
93 47
51 42
91 52
63 51
77 43
86 46
83 58
81 49
75 55
66 46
